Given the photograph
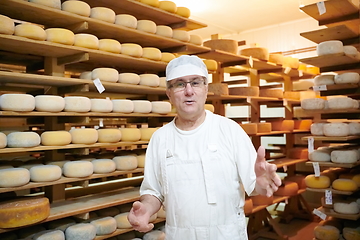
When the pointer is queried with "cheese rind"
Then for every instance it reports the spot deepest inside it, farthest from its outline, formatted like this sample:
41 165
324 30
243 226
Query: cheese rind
53 3
130 134
320 155
167 57
313 103
78 7
77 104
86 40
81 231
49 103
324 79
101 105
84 135
161 107
7 25
256 52
329 47
344 156
168 6
348 77
181 35
317 182
146 133
346 207
146 26
45 173
163 30
109 135
55 138
152 53
154 3
14 177
17 102
122 221
131 49
126 163
23 139
287 188
60 35
130 78
31 31
106 225
326 232
126 20
142 106
103 13
50 235
317 129
78 169
123 105
109 45
227 45
336 129
105 74
183 11
196 39
343 184
3 140
103 165
340 103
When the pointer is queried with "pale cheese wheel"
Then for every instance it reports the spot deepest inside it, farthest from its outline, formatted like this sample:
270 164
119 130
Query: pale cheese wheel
110 45
49 103
329 47
320 182
45 173
141 160
130 134
344 156
211 64
109 135
126 20
23 139
317 129
103 13
103 165
3 140
55 138
146 26
151 53
154 235
106 225
142 106
227 45
126 163
31 31
130 78
167 57
196 39
77 104
324 79
346 207
181 35
336 129
340 103
49 235
149 79
244 91
17 102
161 107
285 125
276 58
348 77
146 133
77 7
49 3
313 103
183 11
354 128
320 155
14 177
131 49
78 169
60 35
81 231
287 188
86 75
105 74
122 221
84 135
351 233
165 31
163 82
23 212
101 105
343 184
168 6
7 25
154 3
123 105
259 200
326 232
86 40
256 52
350 50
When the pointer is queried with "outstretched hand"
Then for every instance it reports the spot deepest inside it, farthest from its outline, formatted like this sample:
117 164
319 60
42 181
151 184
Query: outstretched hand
139 217
267 181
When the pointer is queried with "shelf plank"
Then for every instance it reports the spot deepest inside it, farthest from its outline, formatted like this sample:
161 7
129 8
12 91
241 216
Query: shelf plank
335 87
334 165
330 60
281 162
332 213
324 138
324 111
331 189
341 32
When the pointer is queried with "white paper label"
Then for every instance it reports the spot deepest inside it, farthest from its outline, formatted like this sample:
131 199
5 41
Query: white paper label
285 102
287 70
251 62
319 88
301 73
321 7
316 169
319 214
101 123
328 197
285 168
310 144
99 85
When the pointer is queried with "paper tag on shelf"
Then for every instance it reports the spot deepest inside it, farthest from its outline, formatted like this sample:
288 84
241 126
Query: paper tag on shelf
287 70
328 197
319 214
251 62
285 168
285 102
316 169
301 73
310 144
99 85
321 7
101 123
286 201
319 88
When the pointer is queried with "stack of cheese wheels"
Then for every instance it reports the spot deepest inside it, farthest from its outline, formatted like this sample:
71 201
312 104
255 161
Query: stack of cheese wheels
130 78
105 74
53 3
130 134
101 105
324 79
320 182
256 52
84 135
344 184
148 79
347 77
161 107
49 103
77 104
110 45
227 45
183 12
259 200
313 103
126 20
7 25
146 133
31 31
103 165
23 139
86 40
55 138
287 188
106 225
146 26
23 211
244 91
103 13
81 231
77 7
131 49
181 35
346 207
78 168
317 129
123 105
329 47
163 30
345 156
336 129
142 106
341 102
3 140
49 234
109 135
126 162
121 221
151 53
60 35
326 232
284 125
45 173
17 102
320 155
14 177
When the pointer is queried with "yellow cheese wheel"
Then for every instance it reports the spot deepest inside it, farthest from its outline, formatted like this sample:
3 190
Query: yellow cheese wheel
163 30
249 128
3 140
131 49
287 188
291 62
49 103
14 177
146 133
211 64
7 25
23 139
55 138
272 93
101 105
81 231
152 53
167 57
298 179
298 153
303 124
141 160
168 6
326 232
317 182
60 35
122 221
84 135
126 163
130 78
263 127
146 26
142 106
276 58
78 169
31 31
351 233
181 35
103 13
227 45
345 185
45 173
183 11
103 165
105 74
106 225
123 105
86 40
163 82
77 104
77 7
109 45
149 79
154 3
256 52
49 3
126 20
130 134
196 39
23 212
17 102
109 135
218 88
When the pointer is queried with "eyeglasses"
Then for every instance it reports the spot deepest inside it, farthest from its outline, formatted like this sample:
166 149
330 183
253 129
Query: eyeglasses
181 85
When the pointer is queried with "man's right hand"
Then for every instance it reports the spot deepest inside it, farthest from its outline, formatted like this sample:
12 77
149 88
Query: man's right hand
139 217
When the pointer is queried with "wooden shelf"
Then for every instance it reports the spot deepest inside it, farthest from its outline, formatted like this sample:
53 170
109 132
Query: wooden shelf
336 87
324 111
324 138
330 60
334 165
242 100
332 190
332 213
340 32
286 162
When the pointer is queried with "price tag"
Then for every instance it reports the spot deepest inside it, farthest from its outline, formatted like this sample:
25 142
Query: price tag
316 169
328 197
301 73
101 123
310 144
320 88
321 7
287 70
285 168
251 62
99 85
285 102
319 214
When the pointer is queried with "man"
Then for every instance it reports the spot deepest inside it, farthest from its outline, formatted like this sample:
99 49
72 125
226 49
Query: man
199 166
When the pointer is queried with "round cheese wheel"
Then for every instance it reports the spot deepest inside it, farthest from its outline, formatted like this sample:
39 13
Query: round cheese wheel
320 155
168 6
181 35
23 212
210 64
126 20
121 221
49 103
78 168
344 156
351 233
354 128
48 3
324 79
23 139
31 31
167 57
329 47
3 140
259 200
160 107
152 53
77 104
346 207
326 232
313 103
183 11
276 58
256 52
162 82
84 135
154 3
130 134
17 102
141 160
131 49
14 177
105 74
317 182
103 165
317 129
45 173
345 185
287 188
103 13
351 51
77 7
106 225
123 105
163 30
60 35
148 79
101 105
142 106
340 103
336 129
55 138
146 133
86 75
154 234
81 231
86 40
348 77
130 78
146 26
196 39
109 45
126 163
7 25
109 135
49 235
303 124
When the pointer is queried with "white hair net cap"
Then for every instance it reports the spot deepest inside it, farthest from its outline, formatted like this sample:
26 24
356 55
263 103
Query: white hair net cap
185 65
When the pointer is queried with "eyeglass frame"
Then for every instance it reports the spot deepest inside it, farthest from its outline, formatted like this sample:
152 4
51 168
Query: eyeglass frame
171 85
